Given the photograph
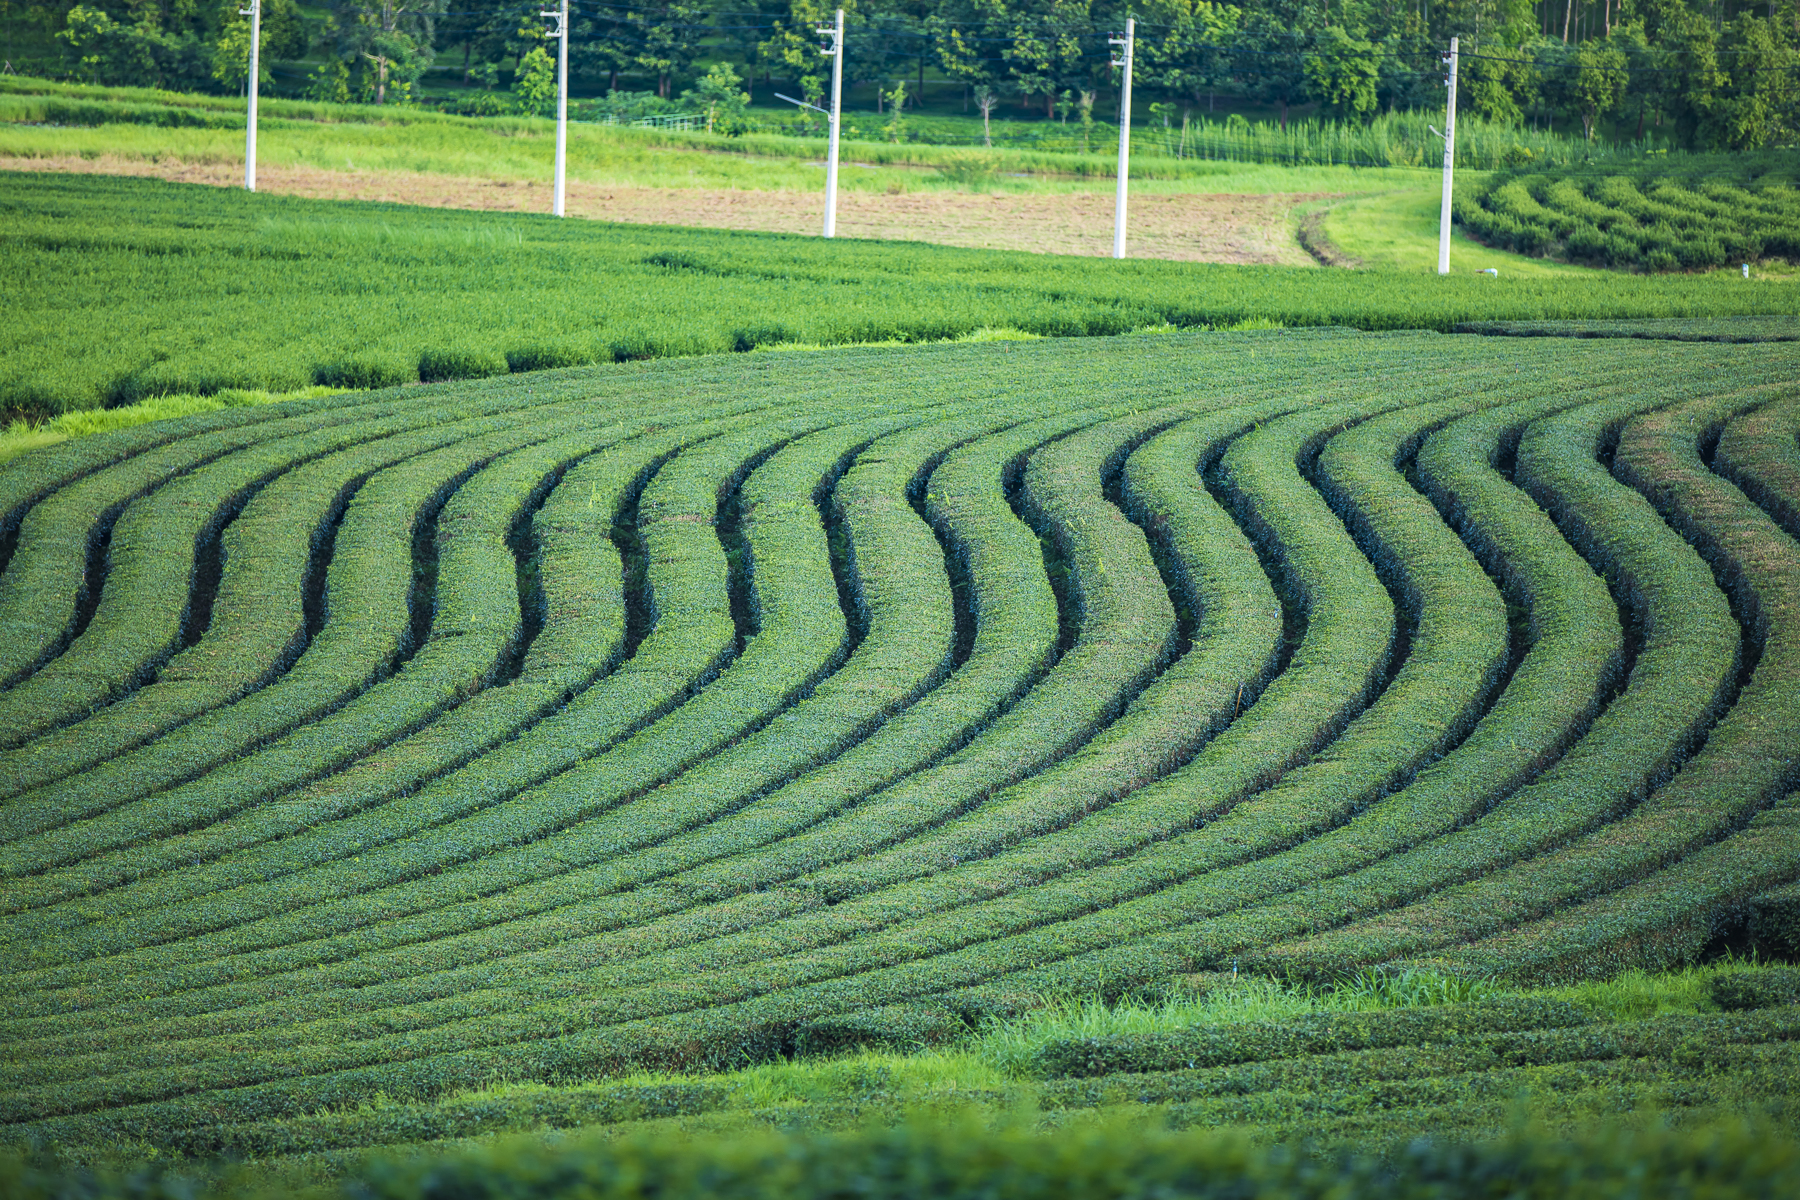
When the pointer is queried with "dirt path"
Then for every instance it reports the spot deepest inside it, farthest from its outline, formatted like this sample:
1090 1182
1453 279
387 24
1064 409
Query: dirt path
1186 228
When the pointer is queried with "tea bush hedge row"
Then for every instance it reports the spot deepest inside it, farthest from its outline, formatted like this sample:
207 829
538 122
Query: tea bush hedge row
1298 1069
965 1159
1651 223
689 713
1748 759
583 634
1346 1051
1679 682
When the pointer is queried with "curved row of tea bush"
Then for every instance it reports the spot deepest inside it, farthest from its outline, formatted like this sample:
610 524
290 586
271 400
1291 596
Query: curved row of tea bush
1651 223
693 713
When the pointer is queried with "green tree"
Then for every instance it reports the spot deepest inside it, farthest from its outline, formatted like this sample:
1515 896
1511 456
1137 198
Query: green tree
668 37
330 82
1032 48
1684 72
534 85
284 34
1269 52
1043 50
104 50
1341 74
231 55
957 39
796 41
92 40
1592 81
720 93
1181 48
508 29
387 44
896 100
1758 102
1499 82
986 100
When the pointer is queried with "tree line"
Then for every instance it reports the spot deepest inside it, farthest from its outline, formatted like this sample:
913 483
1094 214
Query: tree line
1704 74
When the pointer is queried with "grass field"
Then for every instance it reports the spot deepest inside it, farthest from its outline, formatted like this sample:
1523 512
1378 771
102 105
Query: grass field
203 289
1054 201
139 124
1300 732
1398 230
1233 208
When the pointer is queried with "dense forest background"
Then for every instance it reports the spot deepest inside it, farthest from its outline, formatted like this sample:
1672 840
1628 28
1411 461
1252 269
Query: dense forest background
1702 74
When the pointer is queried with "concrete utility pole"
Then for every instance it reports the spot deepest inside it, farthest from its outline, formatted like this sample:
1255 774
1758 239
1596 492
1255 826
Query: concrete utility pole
836 53
1129 42
561 34
254 12
1449 136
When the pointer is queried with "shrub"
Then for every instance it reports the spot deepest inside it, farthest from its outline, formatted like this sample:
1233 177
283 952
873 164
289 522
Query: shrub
545 357
438 365
364 372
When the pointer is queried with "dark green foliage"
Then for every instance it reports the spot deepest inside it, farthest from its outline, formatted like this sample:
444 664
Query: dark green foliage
958 1161
1756 989
362 371
1710 329
1775 922
545 358
440 364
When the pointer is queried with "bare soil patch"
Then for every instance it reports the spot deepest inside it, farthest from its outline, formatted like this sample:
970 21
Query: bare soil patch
1188 228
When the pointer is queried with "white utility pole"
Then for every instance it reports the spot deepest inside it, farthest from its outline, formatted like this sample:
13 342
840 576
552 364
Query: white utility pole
1129 42
1449 136
561 34
836 32
254 12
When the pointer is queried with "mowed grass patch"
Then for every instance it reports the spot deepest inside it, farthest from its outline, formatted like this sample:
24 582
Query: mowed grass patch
1399 231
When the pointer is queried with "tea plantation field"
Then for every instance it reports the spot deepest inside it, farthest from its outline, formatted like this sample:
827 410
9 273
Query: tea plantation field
688 714
1707 211
120 290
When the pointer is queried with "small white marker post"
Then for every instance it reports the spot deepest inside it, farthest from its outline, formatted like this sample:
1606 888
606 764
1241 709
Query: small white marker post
1129 42
1449 136
561 34
254 12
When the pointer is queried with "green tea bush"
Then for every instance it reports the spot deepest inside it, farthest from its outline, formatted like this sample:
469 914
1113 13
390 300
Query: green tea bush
1760 989
965 1160
439 364
1325 1033
1688 214
361 372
